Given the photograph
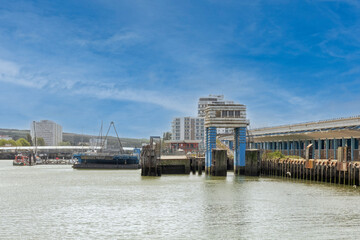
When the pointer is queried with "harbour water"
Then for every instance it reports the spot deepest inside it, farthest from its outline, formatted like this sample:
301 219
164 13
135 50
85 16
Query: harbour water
58 202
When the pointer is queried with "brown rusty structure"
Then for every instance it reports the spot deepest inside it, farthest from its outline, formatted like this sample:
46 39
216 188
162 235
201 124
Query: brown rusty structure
340 171
150 158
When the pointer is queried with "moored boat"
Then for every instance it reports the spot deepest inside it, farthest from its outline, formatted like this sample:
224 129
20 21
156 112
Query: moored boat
106 161
94 160
21 160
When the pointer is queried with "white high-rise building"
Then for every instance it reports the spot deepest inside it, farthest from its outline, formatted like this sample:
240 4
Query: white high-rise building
213 99
188 128
48 130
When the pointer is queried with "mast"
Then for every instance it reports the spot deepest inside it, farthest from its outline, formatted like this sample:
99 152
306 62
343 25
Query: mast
121 147
34 157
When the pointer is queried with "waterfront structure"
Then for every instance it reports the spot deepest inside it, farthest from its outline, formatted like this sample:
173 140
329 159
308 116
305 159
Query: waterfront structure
184 145
213 99
326 136
187 128
50 131
226 116
192 128
205 101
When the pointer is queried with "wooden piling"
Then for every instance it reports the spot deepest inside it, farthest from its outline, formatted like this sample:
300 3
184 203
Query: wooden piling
329 171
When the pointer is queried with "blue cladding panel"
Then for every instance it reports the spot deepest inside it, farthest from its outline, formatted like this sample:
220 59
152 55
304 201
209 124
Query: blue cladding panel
240 147
231 145
206 146
210 144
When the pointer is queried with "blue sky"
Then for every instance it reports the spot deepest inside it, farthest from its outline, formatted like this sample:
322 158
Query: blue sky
141 63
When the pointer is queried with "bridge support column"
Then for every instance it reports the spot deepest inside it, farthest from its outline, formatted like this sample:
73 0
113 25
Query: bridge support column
239 153
210 144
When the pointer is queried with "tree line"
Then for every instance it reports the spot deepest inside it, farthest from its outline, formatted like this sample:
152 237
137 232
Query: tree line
22 142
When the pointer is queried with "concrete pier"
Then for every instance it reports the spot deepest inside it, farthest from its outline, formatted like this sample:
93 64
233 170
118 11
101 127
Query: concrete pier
252 162
150 158
219 163
150 162
175 164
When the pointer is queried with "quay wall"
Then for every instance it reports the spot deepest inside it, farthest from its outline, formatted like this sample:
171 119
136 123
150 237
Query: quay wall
318 170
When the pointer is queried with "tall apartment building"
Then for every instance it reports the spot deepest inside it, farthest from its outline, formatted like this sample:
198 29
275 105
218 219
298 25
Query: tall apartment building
188 128
213 99
48 130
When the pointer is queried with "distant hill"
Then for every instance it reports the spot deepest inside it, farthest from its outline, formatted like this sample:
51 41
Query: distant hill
76 139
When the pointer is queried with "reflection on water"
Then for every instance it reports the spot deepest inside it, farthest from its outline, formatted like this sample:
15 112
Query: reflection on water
47 202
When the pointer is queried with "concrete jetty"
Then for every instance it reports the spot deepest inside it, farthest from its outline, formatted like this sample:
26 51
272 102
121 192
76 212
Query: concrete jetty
175 164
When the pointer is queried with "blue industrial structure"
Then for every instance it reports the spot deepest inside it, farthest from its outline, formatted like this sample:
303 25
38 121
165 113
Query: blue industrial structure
239 150
240 147
325 137
210 144
324 148
230 116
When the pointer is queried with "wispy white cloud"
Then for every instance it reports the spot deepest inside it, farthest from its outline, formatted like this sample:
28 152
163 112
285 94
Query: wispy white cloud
353 3
8 69
116 41
135 95
10 73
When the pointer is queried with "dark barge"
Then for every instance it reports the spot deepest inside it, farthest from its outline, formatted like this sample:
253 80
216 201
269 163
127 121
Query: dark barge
94 160
105 161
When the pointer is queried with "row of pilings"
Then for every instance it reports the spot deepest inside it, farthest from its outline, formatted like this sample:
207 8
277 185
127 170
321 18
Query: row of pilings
330 171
